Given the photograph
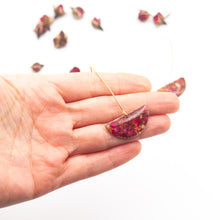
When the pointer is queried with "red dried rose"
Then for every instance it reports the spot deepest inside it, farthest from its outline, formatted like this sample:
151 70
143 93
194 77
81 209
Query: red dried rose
96 23
159 19
40 29
43 25
131 125
60 40
46 20
177 87
143 15
36 67
59 11
77 12
74 70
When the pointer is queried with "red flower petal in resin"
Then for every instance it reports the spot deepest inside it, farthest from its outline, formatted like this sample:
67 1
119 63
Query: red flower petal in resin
43 25
36 67
60 40
177 87
143 15
159 19
131 125
59 11
74 70
96 23
78 12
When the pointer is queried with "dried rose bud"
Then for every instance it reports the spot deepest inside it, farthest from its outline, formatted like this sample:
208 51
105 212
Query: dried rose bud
159 19
46 20
143 15
96 23
177 87
59 11
36 67
43 25
78 12
40 29
60 40
74 70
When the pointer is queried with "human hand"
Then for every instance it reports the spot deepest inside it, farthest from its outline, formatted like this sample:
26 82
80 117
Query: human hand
52 129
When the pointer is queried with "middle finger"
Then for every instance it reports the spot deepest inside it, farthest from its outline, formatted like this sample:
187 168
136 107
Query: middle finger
104 108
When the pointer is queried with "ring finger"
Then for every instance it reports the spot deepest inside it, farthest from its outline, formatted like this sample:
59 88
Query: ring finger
96 138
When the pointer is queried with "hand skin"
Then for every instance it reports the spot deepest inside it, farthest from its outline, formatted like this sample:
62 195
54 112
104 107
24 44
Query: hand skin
52 129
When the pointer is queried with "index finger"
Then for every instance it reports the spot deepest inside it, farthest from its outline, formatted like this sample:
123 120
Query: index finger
78 86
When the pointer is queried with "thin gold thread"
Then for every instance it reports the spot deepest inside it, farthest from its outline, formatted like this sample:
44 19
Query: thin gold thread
100 77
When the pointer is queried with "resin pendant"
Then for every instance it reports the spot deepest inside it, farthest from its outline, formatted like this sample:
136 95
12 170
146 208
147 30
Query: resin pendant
130 125
177 87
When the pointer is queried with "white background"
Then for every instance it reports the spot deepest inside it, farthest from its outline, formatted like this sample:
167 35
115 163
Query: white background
177 174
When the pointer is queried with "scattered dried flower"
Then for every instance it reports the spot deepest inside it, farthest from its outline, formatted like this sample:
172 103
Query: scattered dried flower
59 11
36 67
177 87
143 15
60 40
77 12
96 23
43 25
46 20
159 19
74 70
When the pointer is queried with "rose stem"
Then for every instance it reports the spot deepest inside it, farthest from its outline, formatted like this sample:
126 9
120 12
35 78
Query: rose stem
100 77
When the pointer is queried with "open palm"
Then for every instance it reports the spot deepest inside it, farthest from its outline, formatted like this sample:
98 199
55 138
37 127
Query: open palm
52 133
